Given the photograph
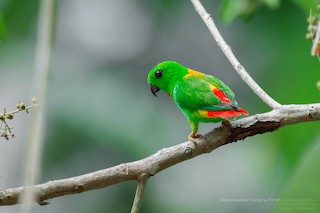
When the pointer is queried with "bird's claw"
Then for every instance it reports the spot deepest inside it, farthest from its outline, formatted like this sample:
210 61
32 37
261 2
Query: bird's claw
226 123
193 138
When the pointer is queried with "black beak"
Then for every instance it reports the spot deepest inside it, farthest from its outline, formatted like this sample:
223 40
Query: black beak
154 89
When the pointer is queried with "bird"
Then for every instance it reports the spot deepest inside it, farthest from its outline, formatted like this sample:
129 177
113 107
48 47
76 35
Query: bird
201 97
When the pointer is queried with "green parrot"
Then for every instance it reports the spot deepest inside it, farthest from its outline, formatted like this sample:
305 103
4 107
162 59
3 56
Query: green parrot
201 97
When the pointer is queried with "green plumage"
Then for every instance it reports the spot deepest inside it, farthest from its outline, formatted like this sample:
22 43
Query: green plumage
202 98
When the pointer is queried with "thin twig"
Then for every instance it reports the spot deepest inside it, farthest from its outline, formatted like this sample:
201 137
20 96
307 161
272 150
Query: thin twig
6 131
19 110
139 192
165 158
226 49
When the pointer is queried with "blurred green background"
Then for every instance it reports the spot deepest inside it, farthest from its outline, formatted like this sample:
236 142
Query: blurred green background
100 111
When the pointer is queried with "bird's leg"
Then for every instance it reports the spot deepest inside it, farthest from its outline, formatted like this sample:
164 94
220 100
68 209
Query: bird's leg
193 135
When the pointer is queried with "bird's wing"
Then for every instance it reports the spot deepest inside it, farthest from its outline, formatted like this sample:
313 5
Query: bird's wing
223 91
203 93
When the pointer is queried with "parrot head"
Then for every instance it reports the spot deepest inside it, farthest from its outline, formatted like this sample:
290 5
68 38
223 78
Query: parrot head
164 76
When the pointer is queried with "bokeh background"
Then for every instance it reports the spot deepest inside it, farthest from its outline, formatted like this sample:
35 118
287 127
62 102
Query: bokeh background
100 111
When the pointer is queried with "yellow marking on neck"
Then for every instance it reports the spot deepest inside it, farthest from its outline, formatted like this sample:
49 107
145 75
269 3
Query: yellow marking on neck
193 73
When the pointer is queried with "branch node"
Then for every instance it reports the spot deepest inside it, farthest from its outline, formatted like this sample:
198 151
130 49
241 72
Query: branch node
153 169
143 177
239 67
208 16
189 149
225 46
312 113
42 201
124 169
79 188
4 196
8 196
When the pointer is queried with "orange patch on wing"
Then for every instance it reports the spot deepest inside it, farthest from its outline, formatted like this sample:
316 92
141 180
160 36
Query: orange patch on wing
221 95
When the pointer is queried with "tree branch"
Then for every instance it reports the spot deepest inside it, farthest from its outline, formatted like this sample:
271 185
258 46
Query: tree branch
138 197
167 157
226 49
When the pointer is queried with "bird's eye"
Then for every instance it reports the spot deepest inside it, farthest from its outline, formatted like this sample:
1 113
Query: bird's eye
158 74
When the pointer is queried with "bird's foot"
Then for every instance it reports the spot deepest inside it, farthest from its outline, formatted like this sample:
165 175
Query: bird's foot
193 137
226 123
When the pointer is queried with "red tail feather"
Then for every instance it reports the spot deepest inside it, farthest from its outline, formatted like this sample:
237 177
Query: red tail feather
244 111
227 113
